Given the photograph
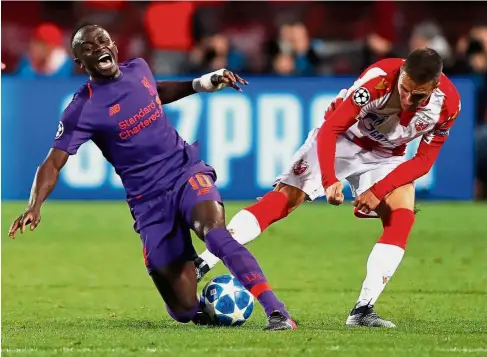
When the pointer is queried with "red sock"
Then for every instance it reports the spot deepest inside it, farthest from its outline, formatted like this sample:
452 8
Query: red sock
397 227
269 209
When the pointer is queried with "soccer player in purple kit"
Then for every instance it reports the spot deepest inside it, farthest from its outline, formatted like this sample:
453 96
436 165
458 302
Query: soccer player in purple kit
169 190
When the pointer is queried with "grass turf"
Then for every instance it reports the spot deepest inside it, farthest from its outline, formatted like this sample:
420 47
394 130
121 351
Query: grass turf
78 287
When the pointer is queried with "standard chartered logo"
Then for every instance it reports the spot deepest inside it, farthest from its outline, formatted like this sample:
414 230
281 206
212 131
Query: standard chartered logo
246 139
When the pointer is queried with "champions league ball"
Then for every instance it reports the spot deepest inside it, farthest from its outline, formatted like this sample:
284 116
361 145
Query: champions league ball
226 301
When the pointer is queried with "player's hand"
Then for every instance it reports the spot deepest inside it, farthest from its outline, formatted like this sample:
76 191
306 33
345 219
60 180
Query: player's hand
230 79
334 194
31 216
366 202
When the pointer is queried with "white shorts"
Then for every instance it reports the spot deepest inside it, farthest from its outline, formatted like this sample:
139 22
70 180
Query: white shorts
361 168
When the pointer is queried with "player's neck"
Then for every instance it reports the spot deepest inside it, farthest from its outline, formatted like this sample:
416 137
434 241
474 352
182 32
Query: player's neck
100 80
394 101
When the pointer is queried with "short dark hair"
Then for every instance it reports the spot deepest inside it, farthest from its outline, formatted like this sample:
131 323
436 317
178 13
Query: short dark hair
424 65
79 27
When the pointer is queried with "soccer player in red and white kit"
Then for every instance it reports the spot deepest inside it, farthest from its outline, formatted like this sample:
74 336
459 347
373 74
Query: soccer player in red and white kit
363 139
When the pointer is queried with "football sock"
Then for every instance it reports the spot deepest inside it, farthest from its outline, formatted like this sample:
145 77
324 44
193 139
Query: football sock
269 209
184 317
386 255
244 267
250 222
243 227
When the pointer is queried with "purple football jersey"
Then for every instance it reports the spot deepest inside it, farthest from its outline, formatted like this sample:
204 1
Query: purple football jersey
125 119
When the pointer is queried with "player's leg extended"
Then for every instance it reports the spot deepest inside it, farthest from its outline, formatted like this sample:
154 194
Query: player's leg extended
168 254
251 221
397 215
204 210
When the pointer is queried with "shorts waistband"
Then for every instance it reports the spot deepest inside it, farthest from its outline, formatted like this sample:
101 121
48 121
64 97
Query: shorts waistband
146 196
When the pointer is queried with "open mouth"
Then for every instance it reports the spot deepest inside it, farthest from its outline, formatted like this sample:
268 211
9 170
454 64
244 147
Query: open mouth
105 61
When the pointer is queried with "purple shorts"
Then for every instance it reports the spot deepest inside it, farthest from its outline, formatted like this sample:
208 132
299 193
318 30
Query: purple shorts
164 221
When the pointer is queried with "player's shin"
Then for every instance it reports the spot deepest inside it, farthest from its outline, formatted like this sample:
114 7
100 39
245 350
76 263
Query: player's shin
243 266
386 255
250 222
244 228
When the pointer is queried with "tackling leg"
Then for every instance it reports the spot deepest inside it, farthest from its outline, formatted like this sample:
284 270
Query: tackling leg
251 221
208 218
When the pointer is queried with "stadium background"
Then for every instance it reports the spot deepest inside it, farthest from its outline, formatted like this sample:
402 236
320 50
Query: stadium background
297 56
78 286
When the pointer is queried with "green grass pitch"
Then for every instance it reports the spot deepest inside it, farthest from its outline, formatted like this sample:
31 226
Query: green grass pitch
78 287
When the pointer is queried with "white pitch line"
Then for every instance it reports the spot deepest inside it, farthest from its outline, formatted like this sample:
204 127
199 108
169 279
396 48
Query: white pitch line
224 349
465 350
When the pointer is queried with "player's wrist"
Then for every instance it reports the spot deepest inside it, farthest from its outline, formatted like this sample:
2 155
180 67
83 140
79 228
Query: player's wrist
205 84
378 191
327 183
34 207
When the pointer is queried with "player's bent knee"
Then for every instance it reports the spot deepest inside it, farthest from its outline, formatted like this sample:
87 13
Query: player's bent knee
183 314
206 216
213 224
401 197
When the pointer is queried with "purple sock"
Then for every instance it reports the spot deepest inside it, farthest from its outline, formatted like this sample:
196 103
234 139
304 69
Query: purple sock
184 317
244 268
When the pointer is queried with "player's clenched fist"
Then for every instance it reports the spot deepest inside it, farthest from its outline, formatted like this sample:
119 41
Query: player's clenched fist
366 202
334 194
31 216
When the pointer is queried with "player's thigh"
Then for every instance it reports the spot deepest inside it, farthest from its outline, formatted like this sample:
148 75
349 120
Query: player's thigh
304 173
295 196
168 252
301 179
401 197
166 242
201 204
177 285
371 169
165 236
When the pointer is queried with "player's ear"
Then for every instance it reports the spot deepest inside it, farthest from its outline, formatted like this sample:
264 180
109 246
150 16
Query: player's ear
78 62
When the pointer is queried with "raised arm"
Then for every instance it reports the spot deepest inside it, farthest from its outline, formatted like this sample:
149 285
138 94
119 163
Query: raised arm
171 91
44 182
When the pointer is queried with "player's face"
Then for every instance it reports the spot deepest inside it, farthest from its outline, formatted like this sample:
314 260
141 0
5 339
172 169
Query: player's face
97 53
413 95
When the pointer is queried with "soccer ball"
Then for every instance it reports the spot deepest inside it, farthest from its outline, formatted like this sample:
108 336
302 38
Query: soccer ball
226 301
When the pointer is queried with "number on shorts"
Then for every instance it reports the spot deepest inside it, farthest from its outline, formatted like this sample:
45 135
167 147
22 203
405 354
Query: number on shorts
200 181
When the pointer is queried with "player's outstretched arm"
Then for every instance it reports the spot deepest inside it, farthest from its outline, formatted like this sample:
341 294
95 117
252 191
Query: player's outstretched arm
339 117
44 182
171 91
424 159
408 171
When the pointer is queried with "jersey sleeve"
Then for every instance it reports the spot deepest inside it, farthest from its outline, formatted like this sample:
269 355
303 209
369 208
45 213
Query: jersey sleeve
427 153
72 132
368 92
439 134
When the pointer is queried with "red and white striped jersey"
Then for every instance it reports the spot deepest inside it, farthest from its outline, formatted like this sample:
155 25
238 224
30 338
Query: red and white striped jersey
360 114
385 130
